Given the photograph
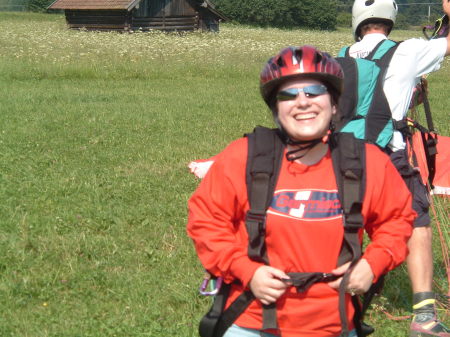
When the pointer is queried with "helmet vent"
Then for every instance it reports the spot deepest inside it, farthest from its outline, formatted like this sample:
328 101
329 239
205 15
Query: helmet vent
370 2
395 5
298 54
273 65
318 58
280 62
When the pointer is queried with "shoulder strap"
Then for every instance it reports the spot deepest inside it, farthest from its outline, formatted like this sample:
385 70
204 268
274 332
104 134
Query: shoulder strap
348 154
349 160
265 150
381 49
379 124
348 101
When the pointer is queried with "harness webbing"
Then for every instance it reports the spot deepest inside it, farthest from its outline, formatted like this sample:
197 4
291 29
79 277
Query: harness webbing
210 323
233 312
264 159
428 135
263 164
429 139
349 163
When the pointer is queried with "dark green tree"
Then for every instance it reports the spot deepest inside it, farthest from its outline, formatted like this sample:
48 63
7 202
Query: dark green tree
38 5
318 14
315 14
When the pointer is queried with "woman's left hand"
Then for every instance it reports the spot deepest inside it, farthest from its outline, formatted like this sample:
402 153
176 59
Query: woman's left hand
360 279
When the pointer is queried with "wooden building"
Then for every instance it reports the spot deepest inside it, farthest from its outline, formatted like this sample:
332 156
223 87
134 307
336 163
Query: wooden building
127 15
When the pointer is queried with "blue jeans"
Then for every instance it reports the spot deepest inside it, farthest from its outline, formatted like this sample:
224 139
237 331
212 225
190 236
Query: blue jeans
236 331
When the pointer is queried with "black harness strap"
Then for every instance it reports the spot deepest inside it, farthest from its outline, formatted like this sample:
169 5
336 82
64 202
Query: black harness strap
379 108
428 135
265 150
303 281
349 162
429 139
232 312
210 322
264 160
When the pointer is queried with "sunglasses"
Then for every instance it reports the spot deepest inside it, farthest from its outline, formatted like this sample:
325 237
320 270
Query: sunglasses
310 91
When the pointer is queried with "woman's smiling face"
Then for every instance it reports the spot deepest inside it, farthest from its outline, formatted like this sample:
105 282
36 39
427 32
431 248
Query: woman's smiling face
308 115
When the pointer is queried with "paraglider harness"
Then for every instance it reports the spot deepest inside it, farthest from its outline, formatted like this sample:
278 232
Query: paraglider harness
265 151
364 109
428 135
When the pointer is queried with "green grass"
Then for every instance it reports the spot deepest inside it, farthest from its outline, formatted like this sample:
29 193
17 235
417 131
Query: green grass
96 130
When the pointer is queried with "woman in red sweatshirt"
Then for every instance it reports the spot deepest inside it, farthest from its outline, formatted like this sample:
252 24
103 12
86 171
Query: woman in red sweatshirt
304 225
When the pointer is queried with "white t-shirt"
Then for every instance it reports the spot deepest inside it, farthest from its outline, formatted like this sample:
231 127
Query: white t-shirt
412 59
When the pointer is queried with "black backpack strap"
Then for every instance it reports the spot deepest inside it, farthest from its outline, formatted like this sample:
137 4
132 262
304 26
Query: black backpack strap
349 99
380 114
217 321
348 154
374 50
265 151
209 322
230 315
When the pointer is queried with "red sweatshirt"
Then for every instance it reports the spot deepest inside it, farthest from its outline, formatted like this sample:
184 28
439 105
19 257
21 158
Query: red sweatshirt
304 232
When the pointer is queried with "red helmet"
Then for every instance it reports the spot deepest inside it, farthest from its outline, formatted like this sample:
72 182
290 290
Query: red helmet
300 62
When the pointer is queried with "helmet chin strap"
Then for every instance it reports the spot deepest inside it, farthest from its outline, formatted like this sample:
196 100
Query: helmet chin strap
304 146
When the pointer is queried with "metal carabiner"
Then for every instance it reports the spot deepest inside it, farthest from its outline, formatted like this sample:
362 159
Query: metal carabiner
214 283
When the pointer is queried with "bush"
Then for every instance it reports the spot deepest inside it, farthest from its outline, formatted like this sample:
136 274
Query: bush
315 14
401 22
344 20
38 5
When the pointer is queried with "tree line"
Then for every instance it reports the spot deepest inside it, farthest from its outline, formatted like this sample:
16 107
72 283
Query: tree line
320 14
25 5
312 14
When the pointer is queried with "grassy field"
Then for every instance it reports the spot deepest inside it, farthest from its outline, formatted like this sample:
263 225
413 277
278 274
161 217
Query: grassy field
96 130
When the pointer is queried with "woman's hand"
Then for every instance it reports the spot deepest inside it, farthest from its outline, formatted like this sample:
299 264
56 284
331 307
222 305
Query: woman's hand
266 284
360 279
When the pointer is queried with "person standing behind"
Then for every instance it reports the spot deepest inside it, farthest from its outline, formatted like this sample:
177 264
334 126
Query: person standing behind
372 22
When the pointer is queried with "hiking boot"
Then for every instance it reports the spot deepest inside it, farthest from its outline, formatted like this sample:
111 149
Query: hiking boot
428 326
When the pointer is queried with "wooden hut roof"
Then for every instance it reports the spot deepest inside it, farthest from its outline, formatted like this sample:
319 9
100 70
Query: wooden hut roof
212 8
120 5
94 4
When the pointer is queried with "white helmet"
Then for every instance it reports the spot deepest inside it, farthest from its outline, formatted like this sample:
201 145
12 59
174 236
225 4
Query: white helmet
365 10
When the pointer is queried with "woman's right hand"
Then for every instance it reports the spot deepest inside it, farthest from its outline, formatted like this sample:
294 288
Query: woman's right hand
266 284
